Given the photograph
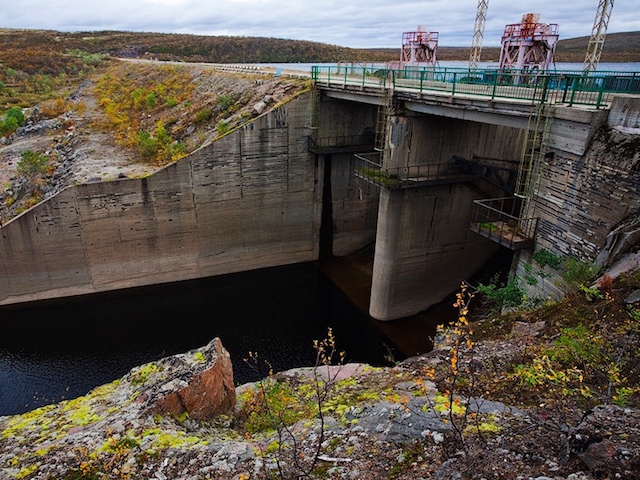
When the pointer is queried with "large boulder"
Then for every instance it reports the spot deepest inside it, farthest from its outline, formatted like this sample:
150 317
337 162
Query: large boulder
199 382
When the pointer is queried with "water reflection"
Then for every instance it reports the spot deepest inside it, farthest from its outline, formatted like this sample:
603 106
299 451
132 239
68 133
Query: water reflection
62 349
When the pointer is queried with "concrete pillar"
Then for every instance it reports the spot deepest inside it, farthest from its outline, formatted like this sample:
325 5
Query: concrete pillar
424 247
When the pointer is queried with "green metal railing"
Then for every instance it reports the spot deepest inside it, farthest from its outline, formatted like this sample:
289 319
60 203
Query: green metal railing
560 87
499 219
368 167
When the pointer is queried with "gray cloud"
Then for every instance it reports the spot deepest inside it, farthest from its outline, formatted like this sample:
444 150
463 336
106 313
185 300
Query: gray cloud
374 23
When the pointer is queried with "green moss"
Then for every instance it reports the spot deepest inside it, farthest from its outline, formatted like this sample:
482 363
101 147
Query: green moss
199 357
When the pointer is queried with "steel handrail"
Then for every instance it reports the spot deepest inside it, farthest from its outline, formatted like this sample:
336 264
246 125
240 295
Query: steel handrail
558 87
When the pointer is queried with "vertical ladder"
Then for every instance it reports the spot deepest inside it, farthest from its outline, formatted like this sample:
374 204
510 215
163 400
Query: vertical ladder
534 148
384 109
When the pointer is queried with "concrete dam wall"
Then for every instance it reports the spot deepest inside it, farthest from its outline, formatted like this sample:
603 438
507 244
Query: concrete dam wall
286 188
249 200
588 197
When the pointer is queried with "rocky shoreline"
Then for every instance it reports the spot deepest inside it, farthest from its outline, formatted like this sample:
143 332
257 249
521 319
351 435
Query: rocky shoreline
377 423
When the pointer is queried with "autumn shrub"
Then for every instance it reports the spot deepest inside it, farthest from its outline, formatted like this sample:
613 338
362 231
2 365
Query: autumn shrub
53 108
202 116
588 362
271 406
605 285
158 146
13 119
150 100
222 128
8 126
171 102
16 113
274 406
578 272
225 102
127 93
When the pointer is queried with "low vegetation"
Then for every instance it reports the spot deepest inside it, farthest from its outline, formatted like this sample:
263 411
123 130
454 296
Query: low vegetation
163 112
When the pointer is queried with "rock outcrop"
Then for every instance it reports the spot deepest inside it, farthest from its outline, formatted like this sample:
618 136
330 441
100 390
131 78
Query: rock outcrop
200 384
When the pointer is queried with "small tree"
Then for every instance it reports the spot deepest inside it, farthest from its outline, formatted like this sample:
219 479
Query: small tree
16 113
13 119
32 165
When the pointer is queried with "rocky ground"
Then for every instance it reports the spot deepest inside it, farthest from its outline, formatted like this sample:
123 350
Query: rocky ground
80 151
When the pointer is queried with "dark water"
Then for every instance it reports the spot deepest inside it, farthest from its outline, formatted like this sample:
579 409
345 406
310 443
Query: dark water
63 349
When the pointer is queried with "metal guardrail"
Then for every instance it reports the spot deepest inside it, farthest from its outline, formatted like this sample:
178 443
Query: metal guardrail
498 219
369 168
560 87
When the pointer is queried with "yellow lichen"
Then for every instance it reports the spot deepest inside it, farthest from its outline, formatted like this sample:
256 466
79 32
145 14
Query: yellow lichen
43 451
161 439
28 421
26 471
141 374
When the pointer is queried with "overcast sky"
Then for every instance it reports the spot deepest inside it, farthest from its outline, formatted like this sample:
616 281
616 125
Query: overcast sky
350 23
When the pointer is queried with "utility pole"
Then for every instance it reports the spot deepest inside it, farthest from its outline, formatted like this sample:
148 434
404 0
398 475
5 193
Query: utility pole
598 33
478 33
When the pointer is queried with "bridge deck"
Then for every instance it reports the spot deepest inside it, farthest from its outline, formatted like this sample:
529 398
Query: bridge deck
570 88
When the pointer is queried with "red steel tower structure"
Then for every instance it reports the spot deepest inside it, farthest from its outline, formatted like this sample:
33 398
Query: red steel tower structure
528 45
419 48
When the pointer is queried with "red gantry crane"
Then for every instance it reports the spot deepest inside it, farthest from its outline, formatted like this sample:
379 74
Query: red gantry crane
528 45
419 48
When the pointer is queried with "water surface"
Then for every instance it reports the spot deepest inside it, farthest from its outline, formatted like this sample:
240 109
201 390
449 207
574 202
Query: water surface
64 348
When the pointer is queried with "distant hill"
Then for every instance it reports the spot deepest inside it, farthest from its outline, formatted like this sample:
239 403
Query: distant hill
184 47
618 47
45 51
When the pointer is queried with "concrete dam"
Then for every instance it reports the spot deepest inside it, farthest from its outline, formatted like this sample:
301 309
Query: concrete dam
355 162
